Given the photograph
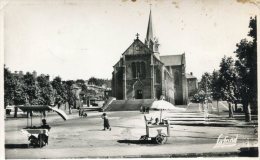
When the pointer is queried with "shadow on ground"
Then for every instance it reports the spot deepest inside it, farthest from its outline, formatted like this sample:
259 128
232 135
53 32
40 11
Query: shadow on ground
137 141
13 146
248 152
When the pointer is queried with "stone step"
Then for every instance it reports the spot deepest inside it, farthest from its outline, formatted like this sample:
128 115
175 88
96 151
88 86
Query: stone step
129 105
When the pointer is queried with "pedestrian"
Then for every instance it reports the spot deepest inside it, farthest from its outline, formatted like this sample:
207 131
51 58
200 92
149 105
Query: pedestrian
141 109
144 109
106 122
147 109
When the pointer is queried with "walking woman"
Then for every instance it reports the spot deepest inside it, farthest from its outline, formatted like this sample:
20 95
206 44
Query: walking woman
106 122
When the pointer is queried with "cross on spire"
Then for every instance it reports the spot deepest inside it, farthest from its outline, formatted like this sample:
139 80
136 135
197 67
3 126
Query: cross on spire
137 35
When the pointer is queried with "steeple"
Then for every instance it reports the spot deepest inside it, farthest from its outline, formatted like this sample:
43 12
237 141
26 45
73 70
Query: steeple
149 33
150 40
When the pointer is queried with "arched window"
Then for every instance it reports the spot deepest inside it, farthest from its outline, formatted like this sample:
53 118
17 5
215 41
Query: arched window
142 70
176 78
158 75
138 69
134 70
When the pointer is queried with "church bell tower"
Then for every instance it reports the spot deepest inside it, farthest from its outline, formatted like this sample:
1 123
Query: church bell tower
150 40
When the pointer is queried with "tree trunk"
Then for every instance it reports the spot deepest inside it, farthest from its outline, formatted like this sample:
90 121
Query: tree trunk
70 110
247 111
230 109
15 111
235 106
217 107
44 114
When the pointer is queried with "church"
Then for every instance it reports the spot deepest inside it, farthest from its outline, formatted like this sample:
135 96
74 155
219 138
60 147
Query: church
143 73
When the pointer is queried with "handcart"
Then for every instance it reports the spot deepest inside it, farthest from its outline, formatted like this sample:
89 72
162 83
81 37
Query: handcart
158 133
38 135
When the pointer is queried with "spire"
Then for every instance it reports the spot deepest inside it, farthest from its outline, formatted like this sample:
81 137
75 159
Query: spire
149 33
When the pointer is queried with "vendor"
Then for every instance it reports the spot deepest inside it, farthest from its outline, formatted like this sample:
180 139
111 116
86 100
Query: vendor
45 125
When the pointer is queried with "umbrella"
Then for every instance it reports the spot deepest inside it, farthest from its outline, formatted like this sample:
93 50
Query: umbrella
60 112
164 105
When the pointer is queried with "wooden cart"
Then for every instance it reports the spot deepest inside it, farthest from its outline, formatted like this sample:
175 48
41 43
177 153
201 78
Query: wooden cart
158 133
38 136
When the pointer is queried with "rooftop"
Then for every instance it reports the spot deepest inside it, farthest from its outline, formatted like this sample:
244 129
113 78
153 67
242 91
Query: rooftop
172 60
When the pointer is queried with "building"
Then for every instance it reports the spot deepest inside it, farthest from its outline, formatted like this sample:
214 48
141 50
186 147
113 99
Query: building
192 84
142 73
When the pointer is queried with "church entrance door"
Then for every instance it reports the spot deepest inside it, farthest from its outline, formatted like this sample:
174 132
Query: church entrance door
139 94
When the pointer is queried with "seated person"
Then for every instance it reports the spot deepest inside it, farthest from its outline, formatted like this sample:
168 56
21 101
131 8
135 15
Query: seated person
44 136
156 121
45 125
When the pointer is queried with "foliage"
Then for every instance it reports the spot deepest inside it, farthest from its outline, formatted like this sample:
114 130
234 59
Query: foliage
13 89
246 66
70 97
59 87
80 82
46 90
205 83
215 85
99 81
227 79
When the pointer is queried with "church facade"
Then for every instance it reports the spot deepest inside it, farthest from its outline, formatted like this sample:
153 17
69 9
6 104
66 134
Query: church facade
142 73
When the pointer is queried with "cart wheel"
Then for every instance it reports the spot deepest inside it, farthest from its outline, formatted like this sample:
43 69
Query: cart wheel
33 141
161 138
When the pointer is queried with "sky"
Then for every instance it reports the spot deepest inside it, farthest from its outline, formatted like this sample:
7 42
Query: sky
78 39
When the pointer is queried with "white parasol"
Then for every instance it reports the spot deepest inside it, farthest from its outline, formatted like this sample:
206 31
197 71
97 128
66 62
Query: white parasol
164 105
59 112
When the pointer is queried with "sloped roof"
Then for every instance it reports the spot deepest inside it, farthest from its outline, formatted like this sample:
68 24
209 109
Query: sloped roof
172 60
137 47
189 76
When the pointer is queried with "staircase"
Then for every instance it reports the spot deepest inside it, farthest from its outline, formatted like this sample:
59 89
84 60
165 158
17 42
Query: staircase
128 105
107 103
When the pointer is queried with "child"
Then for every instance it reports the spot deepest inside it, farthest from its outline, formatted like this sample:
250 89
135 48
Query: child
106 122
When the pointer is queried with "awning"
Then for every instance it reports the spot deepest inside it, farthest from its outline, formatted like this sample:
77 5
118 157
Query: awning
41 108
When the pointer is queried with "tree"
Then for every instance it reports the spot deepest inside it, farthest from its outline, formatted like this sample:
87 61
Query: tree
60 91
96 81
80 82
205 83
31 89
215 87
227 81
246 66
9 87
46 92
70 97
205 89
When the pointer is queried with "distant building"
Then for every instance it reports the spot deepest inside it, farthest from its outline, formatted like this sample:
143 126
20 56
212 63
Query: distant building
192 84
142 73
108 93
